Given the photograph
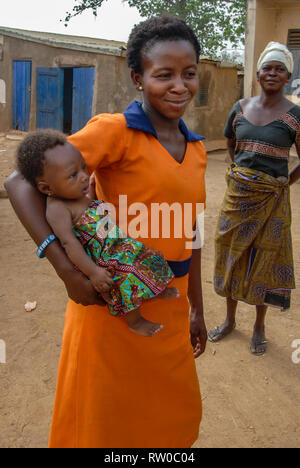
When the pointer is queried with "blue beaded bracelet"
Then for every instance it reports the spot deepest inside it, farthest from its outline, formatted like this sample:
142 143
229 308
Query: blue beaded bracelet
44 245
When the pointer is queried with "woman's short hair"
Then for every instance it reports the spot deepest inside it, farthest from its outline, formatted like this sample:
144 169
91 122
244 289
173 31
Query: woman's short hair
31 152
148 33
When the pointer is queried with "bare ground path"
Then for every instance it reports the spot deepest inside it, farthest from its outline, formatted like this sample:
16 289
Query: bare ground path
248 401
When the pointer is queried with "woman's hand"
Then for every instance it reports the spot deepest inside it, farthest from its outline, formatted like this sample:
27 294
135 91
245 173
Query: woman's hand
81 290
198 332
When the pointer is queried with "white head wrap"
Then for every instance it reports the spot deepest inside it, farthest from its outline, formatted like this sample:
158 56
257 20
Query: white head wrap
276 52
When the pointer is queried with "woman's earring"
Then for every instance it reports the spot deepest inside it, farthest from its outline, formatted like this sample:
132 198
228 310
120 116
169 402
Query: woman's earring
49 194
140 88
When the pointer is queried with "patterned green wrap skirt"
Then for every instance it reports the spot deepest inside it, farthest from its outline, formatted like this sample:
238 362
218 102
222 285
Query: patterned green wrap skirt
139 273
254 257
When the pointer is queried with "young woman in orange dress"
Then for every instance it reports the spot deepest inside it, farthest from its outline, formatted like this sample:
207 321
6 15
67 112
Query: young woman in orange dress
117 389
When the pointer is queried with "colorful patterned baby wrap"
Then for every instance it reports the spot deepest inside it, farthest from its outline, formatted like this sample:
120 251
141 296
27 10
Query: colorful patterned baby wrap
254 257
139 273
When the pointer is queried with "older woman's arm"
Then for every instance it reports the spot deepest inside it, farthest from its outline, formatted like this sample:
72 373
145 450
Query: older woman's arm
295 172
30 207
231 144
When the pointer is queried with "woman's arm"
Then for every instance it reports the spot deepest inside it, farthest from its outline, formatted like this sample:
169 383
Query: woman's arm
231 144
197 323
295 172
30 207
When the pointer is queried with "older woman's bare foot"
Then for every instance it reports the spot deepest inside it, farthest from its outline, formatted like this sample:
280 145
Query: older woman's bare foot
218 333
141 326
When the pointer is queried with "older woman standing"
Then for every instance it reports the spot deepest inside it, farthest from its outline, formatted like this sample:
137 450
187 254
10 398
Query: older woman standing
254 261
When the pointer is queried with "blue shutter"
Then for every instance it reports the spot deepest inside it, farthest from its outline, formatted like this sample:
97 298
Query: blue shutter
83 93
21 94
50 95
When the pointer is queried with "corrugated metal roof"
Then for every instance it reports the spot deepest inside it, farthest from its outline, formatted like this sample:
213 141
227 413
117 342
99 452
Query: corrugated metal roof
85 44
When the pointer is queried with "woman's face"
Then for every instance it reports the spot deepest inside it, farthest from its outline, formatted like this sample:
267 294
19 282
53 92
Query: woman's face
273 76
170 78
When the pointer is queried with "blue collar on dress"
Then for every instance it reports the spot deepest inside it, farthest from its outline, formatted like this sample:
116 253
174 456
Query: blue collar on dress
138 120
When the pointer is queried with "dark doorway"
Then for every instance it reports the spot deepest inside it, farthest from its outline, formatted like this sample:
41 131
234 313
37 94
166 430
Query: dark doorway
68 100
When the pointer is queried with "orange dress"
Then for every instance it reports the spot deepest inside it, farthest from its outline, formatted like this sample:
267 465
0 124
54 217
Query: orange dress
117 389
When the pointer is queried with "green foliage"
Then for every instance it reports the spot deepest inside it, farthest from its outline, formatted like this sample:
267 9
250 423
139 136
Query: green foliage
219 24
82 5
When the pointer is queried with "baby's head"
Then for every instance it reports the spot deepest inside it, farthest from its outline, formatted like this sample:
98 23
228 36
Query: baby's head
51 164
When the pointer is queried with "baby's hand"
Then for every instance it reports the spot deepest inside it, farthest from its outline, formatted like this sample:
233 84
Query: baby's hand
101 280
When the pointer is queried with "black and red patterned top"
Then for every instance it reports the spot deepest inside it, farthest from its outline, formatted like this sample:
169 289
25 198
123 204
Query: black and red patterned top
264 148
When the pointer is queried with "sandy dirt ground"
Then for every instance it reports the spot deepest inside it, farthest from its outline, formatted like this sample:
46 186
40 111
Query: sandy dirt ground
249 402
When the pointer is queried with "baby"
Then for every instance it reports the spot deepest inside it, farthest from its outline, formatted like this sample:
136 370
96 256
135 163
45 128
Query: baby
121 269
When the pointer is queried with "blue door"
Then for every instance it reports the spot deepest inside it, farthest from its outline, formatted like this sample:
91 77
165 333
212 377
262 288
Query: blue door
50 97
83 93
21 94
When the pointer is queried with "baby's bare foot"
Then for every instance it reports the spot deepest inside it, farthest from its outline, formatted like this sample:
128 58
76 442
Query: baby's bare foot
169 293
144 327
